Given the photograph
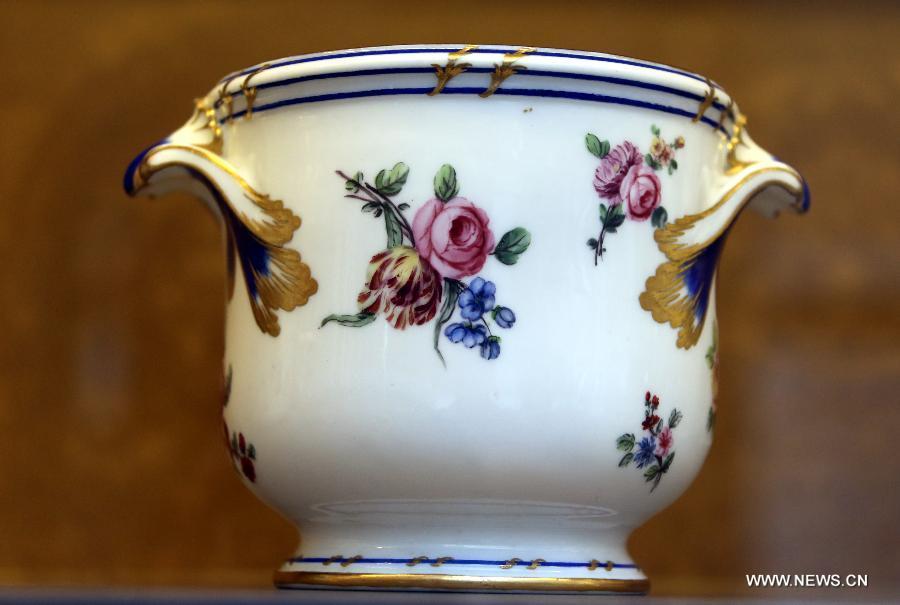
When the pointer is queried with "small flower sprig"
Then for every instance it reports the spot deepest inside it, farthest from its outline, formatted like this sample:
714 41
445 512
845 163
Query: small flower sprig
655 451
627 184
662 154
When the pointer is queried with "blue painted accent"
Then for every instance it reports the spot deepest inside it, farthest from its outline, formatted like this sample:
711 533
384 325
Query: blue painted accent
807 197
698 276
128 179
484 70
557 94
501 50
253 254
496 563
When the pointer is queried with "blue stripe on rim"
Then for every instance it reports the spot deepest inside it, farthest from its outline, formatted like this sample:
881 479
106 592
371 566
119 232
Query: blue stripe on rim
530 72
558 94
457 562
450 49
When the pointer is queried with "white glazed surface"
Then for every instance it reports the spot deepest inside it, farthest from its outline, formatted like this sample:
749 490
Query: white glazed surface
371 445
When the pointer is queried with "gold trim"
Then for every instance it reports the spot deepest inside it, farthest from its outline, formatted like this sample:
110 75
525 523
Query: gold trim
664 295
289 284
298 579
204 119
351 561
511 563
732 164
250 93
441 560
708 99
284 222
451 69
535 564
226 99
416 561
505 70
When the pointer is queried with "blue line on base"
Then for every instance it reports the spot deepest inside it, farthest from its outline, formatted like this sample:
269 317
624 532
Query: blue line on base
457 562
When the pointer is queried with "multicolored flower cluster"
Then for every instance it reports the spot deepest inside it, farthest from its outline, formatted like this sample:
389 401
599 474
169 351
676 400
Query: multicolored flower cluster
654 451
449 239
627 183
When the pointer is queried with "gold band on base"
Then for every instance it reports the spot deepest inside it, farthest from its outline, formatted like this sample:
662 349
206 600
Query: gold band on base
300 579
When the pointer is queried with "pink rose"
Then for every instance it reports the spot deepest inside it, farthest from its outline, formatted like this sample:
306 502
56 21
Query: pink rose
453 236
613 168
640 192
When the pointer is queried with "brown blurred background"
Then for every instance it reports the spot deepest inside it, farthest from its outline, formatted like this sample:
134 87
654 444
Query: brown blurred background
112 468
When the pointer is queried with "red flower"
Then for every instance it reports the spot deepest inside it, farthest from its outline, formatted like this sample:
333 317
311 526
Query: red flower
242 445
654 403
647 397
247 468
403 286
650 422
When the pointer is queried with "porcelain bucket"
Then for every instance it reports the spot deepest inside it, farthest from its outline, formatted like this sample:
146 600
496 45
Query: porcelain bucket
471 328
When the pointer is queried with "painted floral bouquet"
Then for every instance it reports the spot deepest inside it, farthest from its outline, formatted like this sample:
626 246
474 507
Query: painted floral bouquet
425 262
655 452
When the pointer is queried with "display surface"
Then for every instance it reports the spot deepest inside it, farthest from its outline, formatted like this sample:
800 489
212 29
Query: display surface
561 213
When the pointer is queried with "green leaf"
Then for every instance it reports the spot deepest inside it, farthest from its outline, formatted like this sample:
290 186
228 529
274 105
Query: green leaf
393 228
351 321
625 442
667 463
675 418
596 146
391 182
659 218
353 184
626 459
452 288
673 165
592 243
251 452
512 245
446 187
614 218
654 129
403 206
651 473
710 420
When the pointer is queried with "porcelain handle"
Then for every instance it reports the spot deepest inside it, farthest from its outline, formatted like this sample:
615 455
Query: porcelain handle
678 293
258 227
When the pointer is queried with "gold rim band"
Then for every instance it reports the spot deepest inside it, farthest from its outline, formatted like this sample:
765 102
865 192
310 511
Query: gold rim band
299 579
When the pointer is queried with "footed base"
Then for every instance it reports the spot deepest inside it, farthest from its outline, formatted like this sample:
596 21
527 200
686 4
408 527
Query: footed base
514 555
438 581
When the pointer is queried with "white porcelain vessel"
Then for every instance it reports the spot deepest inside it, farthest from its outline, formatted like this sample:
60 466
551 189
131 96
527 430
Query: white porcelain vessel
471 333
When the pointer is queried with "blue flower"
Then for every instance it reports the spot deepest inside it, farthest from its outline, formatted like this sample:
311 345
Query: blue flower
477 299
645 455
490 348
466 333
504 317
